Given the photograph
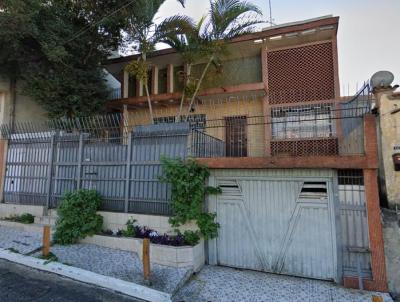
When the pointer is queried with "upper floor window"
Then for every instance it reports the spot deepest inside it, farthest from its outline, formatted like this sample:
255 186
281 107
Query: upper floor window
307 121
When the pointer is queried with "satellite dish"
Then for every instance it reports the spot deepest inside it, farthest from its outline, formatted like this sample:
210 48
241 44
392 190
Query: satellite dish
382 79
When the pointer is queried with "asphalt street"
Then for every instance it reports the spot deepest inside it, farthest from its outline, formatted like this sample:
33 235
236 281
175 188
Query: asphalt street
19 284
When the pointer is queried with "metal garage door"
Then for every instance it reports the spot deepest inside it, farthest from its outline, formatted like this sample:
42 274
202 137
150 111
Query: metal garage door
283 225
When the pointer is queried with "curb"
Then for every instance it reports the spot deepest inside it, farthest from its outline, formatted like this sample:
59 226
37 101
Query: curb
114 284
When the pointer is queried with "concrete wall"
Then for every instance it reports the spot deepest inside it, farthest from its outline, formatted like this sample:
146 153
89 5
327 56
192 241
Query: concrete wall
7 210
391 233
181 256
26 110
389 123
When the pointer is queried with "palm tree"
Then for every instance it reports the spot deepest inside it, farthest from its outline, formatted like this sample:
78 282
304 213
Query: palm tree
145 34
226 19
187 41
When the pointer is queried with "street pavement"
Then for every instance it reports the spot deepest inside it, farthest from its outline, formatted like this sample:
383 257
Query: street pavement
22 284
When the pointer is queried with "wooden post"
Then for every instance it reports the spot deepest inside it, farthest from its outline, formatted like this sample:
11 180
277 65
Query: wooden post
377 299
146 258
46 241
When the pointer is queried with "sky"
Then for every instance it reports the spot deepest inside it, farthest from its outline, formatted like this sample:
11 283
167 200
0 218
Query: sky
368 36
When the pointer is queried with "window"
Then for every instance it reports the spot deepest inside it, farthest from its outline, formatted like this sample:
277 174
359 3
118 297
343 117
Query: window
196 121
313 190
302 122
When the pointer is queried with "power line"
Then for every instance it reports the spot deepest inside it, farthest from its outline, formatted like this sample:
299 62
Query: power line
82 31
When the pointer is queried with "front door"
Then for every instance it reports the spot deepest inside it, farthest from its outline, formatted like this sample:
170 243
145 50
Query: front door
236 136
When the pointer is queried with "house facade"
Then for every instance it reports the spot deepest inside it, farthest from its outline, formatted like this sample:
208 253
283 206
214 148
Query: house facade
297 164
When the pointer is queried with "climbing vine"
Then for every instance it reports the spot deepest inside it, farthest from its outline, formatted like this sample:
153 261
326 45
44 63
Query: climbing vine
189 189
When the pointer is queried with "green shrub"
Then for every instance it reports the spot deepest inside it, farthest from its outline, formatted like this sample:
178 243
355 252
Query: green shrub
77 216
24 218
191 237
188 189
130 228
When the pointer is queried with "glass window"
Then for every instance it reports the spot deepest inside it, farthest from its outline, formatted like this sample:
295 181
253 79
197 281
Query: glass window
302 122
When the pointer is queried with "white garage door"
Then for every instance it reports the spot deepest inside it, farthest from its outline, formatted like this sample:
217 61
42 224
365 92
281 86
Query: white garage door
283 226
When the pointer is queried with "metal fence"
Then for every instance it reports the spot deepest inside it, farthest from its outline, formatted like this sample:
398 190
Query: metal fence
354 224
41 167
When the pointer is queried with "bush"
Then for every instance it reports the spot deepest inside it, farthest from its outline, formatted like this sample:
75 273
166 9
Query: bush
136 231
191 237
130 228
189 190
24 218
77 217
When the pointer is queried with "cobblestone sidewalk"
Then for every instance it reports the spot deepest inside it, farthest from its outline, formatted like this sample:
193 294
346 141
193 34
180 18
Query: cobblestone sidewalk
105 261
122 265
221 284
19 241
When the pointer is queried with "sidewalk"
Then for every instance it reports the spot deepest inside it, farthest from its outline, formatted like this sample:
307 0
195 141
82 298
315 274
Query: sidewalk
104 261
222 284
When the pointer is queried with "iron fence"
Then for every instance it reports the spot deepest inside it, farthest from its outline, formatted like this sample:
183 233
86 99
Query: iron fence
354 224
41 167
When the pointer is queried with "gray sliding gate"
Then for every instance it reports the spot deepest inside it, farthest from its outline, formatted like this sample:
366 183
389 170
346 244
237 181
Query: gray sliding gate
41 169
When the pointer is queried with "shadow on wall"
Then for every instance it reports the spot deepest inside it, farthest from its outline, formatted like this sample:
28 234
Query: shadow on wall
391 233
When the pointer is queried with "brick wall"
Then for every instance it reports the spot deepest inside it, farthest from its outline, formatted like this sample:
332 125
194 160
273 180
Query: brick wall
301 74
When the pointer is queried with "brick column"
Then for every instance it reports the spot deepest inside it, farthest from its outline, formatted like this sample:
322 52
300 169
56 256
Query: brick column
379 282
375 231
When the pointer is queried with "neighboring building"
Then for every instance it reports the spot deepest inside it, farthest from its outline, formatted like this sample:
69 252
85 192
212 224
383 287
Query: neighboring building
297 164
26 110
388 102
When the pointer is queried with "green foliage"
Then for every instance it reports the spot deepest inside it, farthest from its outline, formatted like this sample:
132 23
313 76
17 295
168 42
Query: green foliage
50 258
191 237
77 216
188 179
130 228
207 40
13 250
26 218
55 50
138 69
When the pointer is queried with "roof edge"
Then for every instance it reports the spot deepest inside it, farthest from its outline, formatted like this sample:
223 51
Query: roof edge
266 32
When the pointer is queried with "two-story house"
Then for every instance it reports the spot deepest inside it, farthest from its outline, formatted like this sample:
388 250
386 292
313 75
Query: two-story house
297 164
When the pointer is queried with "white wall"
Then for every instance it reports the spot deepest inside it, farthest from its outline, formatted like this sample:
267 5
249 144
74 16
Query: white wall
26 110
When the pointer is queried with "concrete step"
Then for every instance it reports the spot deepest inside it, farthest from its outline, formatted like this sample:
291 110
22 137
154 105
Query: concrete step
46 220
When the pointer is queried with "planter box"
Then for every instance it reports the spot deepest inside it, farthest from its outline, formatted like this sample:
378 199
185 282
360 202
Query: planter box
173 256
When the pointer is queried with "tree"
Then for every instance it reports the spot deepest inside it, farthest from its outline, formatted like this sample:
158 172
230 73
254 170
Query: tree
55 48
207 40
145 34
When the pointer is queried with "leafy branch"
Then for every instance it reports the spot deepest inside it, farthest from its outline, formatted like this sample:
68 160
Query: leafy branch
189 189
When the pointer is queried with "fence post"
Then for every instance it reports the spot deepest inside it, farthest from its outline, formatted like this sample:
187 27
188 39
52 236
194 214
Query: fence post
46 241
49 173
128 172
146 259
80 158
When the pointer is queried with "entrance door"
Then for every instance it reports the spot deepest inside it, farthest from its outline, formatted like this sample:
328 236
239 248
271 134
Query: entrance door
236 136
283 226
